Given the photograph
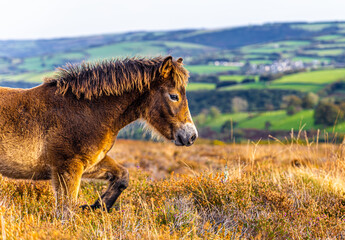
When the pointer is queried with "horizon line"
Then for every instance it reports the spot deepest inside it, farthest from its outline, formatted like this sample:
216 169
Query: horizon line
170 30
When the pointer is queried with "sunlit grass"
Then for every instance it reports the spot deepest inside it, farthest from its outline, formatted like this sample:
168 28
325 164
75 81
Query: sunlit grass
274 191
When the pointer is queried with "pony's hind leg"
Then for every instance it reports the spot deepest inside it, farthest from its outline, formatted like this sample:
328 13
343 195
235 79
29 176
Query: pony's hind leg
117 175
66 182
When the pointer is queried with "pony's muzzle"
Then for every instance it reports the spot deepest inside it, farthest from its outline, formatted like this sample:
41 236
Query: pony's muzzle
186 135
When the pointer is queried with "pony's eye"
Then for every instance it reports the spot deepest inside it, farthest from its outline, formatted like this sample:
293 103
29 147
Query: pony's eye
173 97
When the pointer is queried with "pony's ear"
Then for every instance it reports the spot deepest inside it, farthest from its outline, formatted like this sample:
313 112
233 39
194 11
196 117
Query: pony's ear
166 67
180 60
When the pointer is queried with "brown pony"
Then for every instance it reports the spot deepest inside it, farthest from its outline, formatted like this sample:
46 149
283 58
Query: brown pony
63 129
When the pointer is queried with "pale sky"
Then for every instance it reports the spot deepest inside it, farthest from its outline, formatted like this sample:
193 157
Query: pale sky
33 19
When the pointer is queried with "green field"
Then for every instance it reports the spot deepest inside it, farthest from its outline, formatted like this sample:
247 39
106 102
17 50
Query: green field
325 52
279 120
200 86
312 27
209 69
314 77
327 37
146 48
126 50
305 81
291 86
216 124
339 128
260 61
266 50
258 122
237 78
262 53
184 45
342 39
293 43
309 59
297 86
253 56
330 45
274 47
303 119
26 77
34 64
50 62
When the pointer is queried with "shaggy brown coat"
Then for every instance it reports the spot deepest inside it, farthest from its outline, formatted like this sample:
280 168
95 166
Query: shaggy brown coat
63 129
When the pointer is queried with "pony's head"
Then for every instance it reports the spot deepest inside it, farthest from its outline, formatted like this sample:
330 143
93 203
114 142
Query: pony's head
167 110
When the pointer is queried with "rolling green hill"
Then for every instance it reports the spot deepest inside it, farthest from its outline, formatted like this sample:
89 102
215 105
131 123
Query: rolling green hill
259 44
216 58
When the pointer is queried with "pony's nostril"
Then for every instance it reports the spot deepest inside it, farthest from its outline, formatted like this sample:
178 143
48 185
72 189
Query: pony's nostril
192 138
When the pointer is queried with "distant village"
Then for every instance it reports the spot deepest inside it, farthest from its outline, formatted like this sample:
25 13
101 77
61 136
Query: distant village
280 66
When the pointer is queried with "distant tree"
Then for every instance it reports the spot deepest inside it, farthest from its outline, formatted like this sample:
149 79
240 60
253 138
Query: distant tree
291 110
201 118
210 79
342 110
267 125
327 113
310 100
204 79
256 99
246 67
214 112
248 80
226 84
277 56
239 104
270 77
227 125
269 107
293 100
293 104
342 106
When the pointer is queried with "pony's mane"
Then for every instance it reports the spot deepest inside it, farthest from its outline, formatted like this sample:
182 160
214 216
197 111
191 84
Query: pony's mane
112 77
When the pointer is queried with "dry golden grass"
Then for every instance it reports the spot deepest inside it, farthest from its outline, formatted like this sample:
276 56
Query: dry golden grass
271 191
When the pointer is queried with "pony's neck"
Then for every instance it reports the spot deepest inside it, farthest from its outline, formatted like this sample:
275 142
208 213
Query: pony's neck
129 107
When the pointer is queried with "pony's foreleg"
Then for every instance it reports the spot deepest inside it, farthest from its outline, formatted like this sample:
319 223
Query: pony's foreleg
117 176
66 182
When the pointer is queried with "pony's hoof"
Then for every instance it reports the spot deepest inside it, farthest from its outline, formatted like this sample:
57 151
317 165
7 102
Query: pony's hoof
94 207
88 207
